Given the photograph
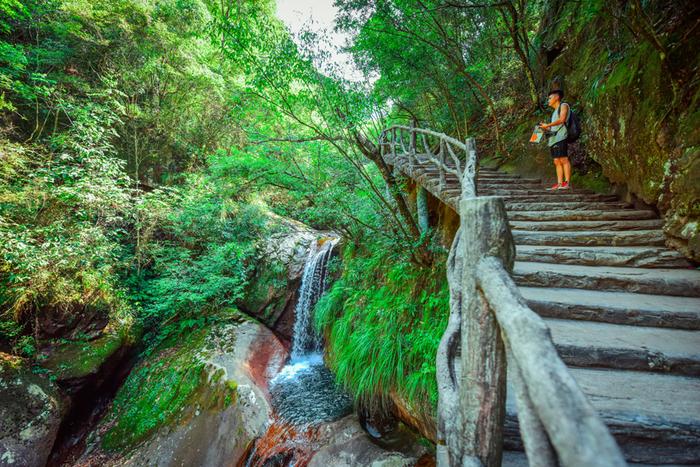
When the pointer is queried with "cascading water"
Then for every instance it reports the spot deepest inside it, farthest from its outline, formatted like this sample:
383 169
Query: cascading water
304 391
314 282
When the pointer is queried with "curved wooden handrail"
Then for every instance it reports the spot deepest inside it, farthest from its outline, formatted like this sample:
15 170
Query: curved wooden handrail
393 150
489 321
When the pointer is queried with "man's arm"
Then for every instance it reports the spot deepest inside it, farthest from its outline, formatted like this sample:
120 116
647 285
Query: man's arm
562 117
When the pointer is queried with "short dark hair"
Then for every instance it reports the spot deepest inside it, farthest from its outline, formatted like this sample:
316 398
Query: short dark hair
559 92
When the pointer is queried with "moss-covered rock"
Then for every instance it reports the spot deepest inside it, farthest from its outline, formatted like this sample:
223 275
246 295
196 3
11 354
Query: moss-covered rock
639 107
76 359
30 414
197 400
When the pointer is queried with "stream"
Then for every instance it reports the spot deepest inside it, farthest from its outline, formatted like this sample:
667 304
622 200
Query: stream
304 393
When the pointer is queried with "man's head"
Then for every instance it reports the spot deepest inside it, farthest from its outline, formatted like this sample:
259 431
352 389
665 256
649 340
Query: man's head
554 98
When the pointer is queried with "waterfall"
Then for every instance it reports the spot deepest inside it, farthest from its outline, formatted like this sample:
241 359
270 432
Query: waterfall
305 391
314 282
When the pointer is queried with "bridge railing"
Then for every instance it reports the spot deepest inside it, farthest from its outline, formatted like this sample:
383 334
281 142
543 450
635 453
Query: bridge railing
491 330
443 152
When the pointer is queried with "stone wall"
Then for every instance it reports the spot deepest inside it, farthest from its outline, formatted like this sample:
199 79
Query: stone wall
640 112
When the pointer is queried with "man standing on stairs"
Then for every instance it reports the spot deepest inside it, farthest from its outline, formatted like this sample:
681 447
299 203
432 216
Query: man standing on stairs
557 139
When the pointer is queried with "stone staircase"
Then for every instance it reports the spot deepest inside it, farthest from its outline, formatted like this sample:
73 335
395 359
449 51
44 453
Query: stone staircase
623 310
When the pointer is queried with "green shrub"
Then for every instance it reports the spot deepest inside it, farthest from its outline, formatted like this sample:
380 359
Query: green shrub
195 250
63 215
383 320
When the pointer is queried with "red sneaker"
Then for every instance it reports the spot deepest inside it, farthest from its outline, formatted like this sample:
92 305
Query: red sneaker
556 186
564 186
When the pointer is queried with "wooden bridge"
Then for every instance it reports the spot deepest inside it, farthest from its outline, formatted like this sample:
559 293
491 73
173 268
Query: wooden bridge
573 299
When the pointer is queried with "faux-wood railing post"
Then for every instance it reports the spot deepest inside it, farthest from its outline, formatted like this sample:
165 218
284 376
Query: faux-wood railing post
412 146
442 152
482 390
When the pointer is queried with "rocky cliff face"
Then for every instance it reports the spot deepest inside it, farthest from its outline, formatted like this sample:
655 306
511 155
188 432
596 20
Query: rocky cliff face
638 101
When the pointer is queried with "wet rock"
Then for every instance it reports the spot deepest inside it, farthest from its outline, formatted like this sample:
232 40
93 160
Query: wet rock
347 444
30 414
279 268
422 419
196 401
342 442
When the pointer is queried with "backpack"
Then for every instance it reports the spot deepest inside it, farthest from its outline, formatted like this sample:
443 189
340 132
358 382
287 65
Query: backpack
573 126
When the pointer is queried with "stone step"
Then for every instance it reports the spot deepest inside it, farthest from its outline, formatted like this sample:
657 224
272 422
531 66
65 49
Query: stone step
564 197
644 224
554 206
519 459
507 180
680 282
516 186
508 191
624 347
487 173
634 256
454 188
615 307
577 214
655 418
589 237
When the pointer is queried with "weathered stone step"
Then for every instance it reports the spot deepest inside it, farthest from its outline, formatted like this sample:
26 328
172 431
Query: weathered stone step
516 185
680 282
554 206
589 237
542 197
615 307
654 417
563 197
624 347
634 256
507 180
577 214
508 191
644 224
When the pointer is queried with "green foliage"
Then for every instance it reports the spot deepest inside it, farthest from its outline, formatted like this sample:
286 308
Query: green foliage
100 90
174 94
383 320
63 213
194 253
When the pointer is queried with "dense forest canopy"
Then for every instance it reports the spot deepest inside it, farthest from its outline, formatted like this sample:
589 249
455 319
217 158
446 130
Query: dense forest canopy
147 146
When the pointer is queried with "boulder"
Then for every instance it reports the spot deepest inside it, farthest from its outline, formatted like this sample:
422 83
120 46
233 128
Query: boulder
270 297
342 442
347 444
199 401
80 362
30 414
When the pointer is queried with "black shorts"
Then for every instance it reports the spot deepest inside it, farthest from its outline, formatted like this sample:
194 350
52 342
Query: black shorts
560 149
